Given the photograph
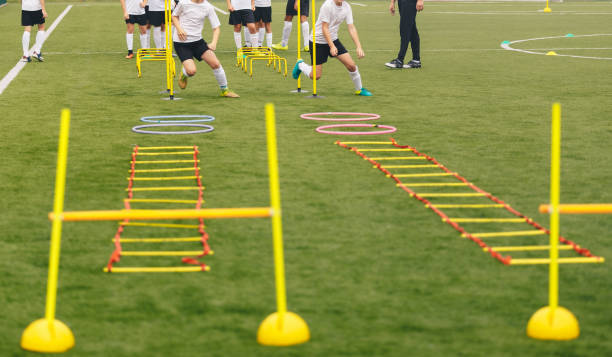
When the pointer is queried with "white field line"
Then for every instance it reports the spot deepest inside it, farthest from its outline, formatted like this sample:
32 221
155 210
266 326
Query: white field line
219 10
358 4
507 46
12 74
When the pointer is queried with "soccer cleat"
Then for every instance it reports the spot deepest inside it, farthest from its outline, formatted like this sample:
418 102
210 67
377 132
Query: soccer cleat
279 46
363 92
413 64
306 49
296 69
130 55
228 93
396 63
182 82
38 56
26 59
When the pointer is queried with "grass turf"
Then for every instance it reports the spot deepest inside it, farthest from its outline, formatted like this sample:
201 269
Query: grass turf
370 270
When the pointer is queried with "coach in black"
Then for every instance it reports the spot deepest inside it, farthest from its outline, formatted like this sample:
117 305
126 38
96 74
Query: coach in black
408 32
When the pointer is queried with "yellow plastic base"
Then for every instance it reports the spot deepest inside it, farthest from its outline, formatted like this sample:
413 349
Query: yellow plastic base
42 336
562 326
547 9
293 330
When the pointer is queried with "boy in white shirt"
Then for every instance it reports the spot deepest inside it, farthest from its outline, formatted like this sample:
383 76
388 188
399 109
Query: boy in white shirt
134 13
241 14
332 14
188 20
263 22
33 13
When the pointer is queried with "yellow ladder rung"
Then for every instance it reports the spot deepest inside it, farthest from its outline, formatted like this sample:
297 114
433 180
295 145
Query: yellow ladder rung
166 170
366 142
159 200
424 175
526 248
450 205
577 260
156 269
160 253
507 234
161 225
163 161
397 158
164 188
158 240
164 147
170 178
405 166
366 150
488 220
431 184
459 194
165 153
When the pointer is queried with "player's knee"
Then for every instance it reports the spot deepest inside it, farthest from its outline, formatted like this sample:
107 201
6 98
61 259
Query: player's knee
191 71
351 67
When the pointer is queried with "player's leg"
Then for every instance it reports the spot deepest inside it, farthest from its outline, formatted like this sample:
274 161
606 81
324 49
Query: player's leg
268 26
237 36
211 59
304 13
415 44
287 25
352 68
25 39
144 38
129 37
323 52
185 53
40 38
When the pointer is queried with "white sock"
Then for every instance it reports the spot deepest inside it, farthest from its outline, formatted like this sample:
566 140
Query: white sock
247 37
305 68
260 36
356 78
238 39
40 38
305 32
143 41
148 39
220 77
269 39
255 39
129 39
286 33
157 37
25 43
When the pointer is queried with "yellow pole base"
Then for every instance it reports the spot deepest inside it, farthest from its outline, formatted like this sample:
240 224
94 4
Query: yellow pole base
294 330
562 326
42 336
547 9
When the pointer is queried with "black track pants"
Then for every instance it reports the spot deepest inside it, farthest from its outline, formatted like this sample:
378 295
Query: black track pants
408 30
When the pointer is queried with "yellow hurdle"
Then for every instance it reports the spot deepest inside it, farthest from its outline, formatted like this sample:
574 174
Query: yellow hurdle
507 234
580 208
157 269
138 214
158 240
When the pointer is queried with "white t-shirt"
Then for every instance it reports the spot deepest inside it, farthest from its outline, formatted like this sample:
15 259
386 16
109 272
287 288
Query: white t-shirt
157 5
263 3
191 17
31 5
334 15
241 4
133 7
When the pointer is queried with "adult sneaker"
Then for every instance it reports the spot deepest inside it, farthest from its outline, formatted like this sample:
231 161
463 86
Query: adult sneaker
38 56
182 82
413 64
363 92
279 46
26 59
296 69
228 93
396 63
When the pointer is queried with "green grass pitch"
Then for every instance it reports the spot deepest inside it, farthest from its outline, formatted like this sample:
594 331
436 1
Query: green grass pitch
371 271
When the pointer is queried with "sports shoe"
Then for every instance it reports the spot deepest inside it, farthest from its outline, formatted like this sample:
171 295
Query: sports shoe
306 49
396 63
228 93
38 56
279 46
26 59
413 64
363 92
182 82
296 69
130 55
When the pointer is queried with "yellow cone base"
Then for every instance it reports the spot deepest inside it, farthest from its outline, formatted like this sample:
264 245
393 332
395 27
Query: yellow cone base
562 326
294 330
547 9
40 336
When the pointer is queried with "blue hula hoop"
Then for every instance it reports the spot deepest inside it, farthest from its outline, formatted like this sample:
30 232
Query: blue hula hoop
199 118
138 129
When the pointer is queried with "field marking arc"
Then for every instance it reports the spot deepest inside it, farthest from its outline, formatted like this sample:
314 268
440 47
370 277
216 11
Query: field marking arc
507 46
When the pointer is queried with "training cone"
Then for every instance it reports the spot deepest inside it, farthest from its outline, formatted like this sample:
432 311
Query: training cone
292 330
551 53
47 336
562 325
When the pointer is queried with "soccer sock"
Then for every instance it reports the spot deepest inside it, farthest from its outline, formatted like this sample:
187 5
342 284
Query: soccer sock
269 39
148 39
143 41
40 38
305 68
247 37
286 32
305 32
356 78
185 73
220 77
238 39
129 39
157 37
260 36
25 43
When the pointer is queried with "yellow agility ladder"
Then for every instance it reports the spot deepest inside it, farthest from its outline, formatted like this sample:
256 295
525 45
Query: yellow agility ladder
432 182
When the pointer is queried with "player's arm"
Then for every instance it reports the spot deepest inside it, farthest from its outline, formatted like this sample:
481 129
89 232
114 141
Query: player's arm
295 4
253 5
392 7
353 32
125 13
230 8
213 44
179 29
332 48
44 11
419 5
143 4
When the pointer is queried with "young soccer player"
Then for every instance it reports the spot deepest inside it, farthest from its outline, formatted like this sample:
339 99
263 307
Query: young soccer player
290 11
408 33
241 14
33 12
134 13
188 20
332 14
158 21
263 22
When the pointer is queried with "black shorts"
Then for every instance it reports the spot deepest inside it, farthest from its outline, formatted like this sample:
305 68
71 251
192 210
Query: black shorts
304 8
190 50
244 16
263 14
323 51
156 18
31 18
137 19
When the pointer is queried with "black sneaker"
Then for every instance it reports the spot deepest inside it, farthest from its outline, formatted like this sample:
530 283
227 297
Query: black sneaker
38 57
413 64
396 63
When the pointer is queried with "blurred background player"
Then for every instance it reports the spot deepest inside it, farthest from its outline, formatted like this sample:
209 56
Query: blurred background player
290 11
188 19
408 33
134 13
158 21
263 22
241 14
33 12
332 14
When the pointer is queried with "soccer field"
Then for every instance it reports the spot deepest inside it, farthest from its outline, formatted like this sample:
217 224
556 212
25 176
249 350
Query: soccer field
369 269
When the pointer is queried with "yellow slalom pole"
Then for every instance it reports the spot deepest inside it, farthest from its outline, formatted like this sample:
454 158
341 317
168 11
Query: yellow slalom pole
547 9
282 328
314 50
299 35
49 334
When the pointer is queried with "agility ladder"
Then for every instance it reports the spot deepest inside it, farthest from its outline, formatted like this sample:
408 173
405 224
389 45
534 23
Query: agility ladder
395 159
141 170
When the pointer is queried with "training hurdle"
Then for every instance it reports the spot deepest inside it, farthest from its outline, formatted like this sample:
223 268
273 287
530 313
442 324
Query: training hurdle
554 322
281 328
246 55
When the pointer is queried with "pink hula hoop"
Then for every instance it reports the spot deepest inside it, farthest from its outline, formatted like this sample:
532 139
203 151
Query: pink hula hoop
316 116
389 129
